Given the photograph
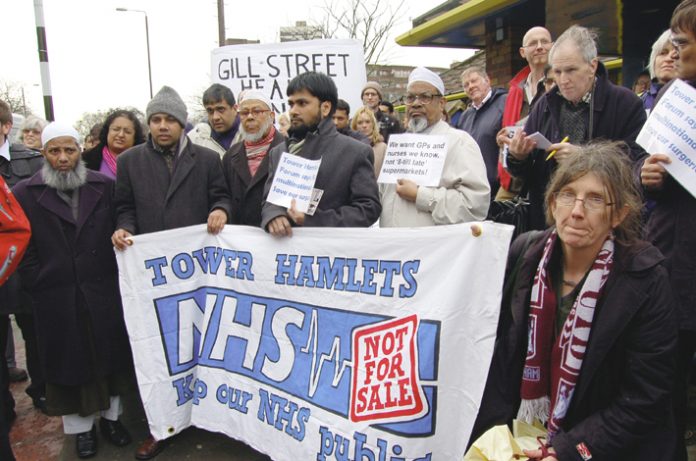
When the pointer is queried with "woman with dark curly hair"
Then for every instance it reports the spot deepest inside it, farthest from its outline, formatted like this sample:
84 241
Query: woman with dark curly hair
121 131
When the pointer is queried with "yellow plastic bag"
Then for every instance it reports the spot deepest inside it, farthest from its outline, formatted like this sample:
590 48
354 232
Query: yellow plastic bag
499 444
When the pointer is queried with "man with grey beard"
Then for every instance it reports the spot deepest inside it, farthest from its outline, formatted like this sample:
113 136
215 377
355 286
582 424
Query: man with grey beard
463 192
246 163
70 272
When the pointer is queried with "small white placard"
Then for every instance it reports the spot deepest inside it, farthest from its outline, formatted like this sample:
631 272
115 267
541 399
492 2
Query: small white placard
541 141
294 179
671 130
418 157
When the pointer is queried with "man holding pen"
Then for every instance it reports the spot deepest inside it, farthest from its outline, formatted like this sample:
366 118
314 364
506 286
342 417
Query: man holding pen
584 106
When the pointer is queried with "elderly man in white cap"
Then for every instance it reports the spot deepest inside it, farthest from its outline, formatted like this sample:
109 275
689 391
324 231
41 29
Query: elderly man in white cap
70 272
463 193
246 163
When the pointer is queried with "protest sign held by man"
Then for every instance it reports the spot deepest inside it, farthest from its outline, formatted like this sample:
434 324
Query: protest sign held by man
349 196
70 272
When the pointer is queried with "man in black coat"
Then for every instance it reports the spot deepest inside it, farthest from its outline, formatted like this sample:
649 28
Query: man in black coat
246 163
70 272
349 197
583 106
672 223
166 183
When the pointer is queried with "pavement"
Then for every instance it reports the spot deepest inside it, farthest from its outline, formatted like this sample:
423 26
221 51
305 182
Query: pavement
36 437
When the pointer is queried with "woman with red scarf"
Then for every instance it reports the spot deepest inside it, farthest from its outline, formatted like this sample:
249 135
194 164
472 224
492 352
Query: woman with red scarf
587 334
121 131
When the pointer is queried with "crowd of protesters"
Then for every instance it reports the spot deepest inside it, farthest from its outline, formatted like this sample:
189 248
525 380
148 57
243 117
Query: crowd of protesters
597 331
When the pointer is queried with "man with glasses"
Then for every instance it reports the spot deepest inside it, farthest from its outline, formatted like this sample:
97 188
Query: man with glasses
463 193
222 128
345 187
583 106
672 222
525 89
483 119
246 163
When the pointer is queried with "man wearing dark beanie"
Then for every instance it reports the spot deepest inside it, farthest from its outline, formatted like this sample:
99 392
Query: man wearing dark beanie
166 183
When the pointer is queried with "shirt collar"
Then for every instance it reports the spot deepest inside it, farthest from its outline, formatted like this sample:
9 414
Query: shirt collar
5 150
488 96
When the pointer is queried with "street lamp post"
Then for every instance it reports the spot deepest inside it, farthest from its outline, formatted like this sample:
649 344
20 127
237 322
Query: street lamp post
147 40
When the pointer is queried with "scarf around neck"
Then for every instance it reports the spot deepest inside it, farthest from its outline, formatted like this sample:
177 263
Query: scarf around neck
553 364
256 151
109 159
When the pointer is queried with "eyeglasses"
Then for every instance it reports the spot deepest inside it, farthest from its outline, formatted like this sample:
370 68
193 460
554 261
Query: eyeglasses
679 42
538 43
590 203
425 98
254 112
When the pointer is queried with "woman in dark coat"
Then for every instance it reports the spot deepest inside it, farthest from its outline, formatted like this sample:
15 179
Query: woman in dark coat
587 335
121 131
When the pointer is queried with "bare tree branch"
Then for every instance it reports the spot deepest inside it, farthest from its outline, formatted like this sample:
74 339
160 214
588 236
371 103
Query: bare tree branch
13 94
368 21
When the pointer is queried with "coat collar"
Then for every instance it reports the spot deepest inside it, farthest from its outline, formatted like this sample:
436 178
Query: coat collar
313 142
90 194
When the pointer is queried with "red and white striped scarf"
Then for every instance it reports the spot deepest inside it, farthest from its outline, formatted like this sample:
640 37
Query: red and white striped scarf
553 364
256 151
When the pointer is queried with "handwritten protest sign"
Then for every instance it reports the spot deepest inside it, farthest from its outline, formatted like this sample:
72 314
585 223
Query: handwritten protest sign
269 67
294 179
417 157
360 344
671 130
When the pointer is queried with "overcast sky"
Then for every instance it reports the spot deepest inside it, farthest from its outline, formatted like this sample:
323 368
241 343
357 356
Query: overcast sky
98 58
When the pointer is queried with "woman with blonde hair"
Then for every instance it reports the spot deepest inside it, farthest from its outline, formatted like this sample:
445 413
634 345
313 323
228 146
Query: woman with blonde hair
365 122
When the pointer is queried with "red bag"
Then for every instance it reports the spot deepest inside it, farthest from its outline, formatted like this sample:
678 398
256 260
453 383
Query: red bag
15 232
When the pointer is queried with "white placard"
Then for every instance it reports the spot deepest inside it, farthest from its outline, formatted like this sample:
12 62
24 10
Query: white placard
269 67
671 130
418 157
335 344
294 179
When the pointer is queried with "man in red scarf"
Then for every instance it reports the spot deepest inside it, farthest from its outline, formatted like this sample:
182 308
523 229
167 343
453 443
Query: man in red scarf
525 89
246 163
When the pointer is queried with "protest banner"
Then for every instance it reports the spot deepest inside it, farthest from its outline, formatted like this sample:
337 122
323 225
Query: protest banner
363 344
294 179
671 130
417 157
269 67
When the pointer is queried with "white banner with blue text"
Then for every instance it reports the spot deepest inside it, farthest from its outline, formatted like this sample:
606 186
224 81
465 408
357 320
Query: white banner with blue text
333 344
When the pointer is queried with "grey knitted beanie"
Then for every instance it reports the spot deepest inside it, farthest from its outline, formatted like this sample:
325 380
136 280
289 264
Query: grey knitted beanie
167 101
